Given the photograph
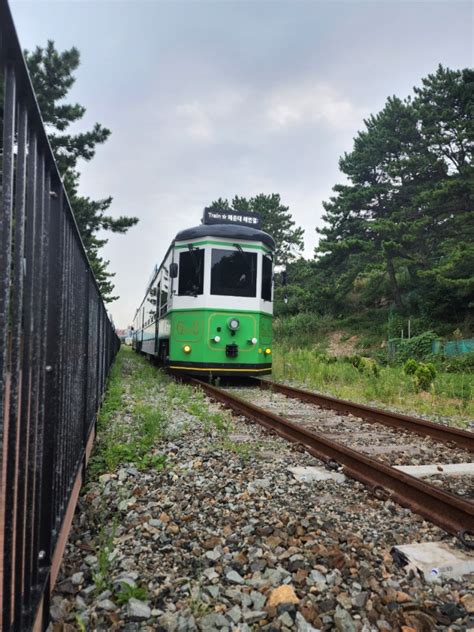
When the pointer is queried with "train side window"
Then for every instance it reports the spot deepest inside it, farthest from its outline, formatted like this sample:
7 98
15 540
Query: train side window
191 272
233 273
163 301
267 278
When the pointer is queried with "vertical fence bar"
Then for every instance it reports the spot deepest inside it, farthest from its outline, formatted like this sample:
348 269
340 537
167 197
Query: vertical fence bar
8 434
16 318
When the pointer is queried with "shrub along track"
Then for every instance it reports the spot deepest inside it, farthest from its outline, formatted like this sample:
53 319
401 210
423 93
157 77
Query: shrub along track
448 511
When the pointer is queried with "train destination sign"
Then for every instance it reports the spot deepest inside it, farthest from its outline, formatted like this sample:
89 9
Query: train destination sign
212 216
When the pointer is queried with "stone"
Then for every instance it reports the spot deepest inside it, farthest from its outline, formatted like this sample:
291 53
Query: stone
343 620
168 621
282 595
213 621
345 601
254 615
314 473
468 603
359 600
235 614
258 599
302 625
77 579
213 555
295 562
286 619
234 577
137 609
213 591
315 577
106 604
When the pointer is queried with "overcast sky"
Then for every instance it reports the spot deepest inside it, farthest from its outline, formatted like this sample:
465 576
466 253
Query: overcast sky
213 99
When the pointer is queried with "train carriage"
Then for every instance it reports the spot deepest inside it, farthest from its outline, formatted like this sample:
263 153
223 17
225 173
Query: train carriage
208 307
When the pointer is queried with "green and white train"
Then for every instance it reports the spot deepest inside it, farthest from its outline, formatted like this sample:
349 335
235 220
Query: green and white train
208 307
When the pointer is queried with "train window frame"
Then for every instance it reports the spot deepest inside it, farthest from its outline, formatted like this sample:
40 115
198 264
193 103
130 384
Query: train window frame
191 259
164 294
267 278
218 288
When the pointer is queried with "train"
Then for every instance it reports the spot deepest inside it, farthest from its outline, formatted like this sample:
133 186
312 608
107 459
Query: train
208 307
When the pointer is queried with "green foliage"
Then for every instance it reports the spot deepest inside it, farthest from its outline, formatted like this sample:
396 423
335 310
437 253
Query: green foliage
130 428
276 220
303 328
418 347
104 548
424 376
52 74
80 622
400 231
128 592
460 364
450 394
410 366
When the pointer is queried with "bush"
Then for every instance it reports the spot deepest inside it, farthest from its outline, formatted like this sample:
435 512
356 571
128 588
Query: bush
424 376
418 347
368 366
460 364
410 366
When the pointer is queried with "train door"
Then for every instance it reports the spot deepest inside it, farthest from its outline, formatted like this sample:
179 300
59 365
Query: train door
163 343
157 322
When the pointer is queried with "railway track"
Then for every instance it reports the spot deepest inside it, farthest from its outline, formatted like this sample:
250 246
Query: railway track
449 511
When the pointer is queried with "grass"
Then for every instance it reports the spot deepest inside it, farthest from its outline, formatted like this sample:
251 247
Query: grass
450 394
140 400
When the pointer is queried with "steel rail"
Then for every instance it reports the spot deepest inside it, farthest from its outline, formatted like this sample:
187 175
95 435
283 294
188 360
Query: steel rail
446 510
462 438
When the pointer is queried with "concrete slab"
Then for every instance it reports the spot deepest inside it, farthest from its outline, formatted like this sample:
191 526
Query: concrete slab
451 469
314 473
434 560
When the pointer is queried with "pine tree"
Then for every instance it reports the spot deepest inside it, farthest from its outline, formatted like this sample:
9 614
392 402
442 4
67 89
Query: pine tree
52 75
401 230
276 220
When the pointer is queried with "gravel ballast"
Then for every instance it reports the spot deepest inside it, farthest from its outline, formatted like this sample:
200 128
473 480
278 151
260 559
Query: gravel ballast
224 537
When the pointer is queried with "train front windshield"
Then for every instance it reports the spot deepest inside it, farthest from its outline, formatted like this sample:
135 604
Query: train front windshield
233 273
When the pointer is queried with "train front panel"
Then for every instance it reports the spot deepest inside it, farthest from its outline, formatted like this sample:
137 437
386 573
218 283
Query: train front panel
220 342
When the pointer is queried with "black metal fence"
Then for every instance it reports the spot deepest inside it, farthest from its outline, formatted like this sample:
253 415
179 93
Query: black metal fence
56 347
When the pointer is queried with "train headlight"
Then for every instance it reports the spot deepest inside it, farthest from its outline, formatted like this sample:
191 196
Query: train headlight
233 324
268 351
216 339
187 349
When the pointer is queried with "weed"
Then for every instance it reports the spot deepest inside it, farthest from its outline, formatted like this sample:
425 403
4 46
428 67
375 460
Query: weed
197 604
105 547
80 623
128 592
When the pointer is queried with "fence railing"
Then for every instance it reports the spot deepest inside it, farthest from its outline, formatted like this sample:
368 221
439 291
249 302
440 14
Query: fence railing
56 347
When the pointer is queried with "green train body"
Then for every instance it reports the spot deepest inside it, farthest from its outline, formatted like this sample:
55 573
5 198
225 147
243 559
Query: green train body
208 307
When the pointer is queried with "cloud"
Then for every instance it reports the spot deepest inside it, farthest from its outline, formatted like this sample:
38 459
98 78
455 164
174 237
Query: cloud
239 114
313 103
202 118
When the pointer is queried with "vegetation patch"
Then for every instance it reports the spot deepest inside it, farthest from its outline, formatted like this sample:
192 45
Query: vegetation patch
416 387
140 400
